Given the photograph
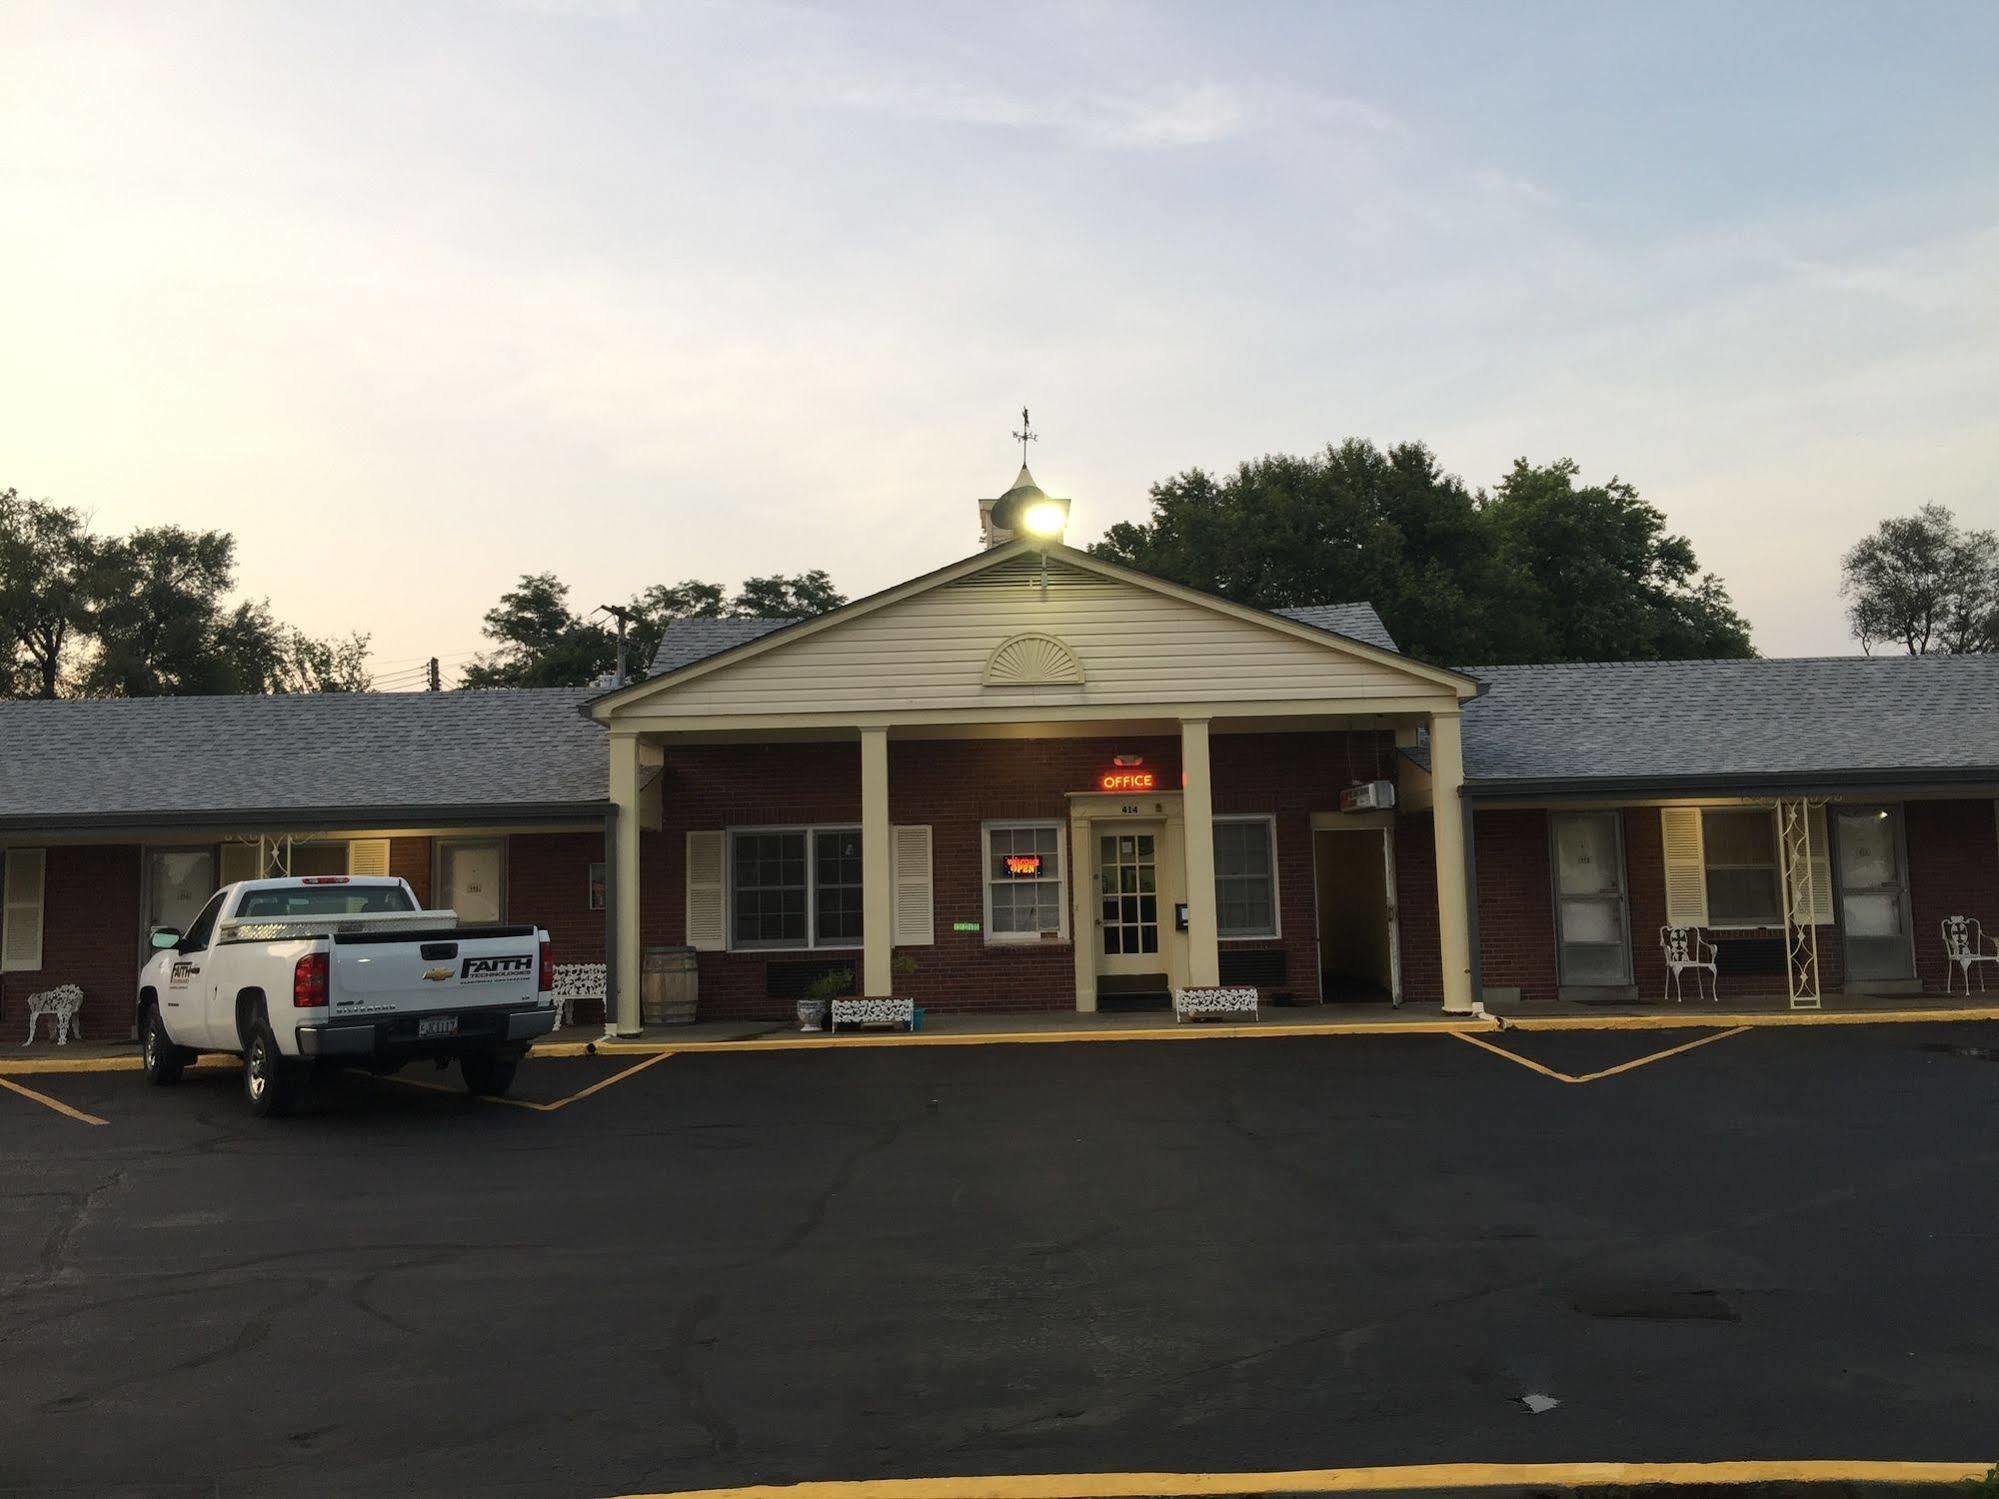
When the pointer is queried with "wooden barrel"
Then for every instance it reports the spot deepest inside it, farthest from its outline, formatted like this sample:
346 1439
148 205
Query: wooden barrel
669 985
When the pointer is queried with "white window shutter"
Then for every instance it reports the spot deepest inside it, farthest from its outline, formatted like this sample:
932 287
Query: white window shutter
707 904
1686 866
1821 866
915 923
21 909
368 856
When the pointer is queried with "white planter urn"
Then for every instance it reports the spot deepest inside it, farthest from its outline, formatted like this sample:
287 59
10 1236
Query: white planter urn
812 1014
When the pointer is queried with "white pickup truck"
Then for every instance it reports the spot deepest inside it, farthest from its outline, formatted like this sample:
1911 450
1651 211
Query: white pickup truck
340 970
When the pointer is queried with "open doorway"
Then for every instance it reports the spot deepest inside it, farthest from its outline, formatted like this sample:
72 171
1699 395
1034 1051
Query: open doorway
1354 873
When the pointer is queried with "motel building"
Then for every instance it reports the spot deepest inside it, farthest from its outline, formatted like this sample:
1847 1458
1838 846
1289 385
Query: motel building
1033 780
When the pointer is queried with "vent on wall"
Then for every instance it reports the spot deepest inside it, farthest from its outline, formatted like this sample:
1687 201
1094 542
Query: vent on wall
1032 661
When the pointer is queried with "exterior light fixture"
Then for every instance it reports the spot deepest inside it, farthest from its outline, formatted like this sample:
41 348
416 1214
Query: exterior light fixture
1044 519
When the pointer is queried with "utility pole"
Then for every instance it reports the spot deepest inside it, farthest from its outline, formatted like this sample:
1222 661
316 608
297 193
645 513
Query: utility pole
432 676
621 615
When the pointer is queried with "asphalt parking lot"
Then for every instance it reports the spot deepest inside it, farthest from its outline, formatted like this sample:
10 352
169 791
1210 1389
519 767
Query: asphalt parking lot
916 1261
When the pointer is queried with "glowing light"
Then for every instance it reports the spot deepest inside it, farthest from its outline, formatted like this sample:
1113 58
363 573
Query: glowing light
1023 864
1044 518
1128 780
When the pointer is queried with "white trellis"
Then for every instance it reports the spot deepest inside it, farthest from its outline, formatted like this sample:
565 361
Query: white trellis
1801 914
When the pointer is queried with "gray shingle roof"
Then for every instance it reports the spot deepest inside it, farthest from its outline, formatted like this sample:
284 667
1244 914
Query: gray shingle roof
1838 718
178 757
1355 621
686 641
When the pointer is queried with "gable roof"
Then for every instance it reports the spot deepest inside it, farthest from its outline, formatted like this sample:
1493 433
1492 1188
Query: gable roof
685 641
1354 621
106 761
1665 725
605 704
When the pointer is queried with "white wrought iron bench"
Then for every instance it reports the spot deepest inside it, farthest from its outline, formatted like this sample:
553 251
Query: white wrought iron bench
1193 1004
574 981
1687 947
1968 948
900 1012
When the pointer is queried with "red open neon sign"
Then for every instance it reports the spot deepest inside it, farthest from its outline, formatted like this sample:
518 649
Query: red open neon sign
1128 780
1023 864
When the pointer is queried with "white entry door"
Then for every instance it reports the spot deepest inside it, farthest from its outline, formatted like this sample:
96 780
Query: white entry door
471 878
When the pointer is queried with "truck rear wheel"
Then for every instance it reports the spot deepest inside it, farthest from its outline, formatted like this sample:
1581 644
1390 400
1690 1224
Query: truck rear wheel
270 1082
488 1073
163 1060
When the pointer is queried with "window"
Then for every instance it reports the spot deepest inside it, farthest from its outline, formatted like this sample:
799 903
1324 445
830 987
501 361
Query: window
837 875
596 887
291 903
1245 877
1742 876
795 887
1024 899
196 938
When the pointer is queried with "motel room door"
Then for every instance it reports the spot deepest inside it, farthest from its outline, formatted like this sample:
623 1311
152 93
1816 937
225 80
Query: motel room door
1874 895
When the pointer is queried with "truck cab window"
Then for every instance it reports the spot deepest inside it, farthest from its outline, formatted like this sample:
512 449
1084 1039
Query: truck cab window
195 938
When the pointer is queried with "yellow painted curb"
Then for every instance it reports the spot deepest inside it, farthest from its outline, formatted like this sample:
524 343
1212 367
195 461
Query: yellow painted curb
1344 1480
1694 1019
1442 1025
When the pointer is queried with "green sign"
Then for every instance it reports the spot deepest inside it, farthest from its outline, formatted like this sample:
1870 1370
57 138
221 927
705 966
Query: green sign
964 926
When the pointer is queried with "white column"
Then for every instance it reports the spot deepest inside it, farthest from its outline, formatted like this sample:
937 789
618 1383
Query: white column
625 793
877 877
1204 969
1447 778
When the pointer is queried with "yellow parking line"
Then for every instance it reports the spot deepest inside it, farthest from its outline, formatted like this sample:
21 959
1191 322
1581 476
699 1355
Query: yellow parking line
51 1103
1589 1077
1345 1480
540 1108
1529 1063
1657 1056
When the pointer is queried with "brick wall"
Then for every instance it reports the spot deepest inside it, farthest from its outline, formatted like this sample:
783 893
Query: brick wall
90 936
1516 902
953 786
548 883
1953 871
409 859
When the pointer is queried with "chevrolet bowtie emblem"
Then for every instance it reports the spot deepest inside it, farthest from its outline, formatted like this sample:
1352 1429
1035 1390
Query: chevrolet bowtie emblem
437 975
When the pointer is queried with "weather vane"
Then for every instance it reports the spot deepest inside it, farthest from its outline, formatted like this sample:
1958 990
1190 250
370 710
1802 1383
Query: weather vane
1025 435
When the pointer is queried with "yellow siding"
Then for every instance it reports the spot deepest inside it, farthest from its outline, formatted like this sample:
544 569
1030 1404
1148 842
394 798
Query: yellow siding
1134 646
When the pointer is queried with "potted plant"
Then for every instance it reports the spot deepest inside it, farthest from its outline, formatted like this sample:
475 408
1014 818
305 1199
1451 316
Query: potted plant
819 997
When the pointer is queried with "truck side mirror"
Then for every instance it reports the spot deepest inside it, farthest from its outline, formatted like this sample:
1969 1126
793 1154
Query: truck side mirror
165 937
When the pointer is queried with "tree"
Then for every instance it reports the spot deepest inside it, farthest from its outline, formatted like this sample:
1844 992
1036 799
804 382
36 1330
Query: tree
541 643
46 554
1601 578
1924 582
781 597
255 653
155 609
1541 569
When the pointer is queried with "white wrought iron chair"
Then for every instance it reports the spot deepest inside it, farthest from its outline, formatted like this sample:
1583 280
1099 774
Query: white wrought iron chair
1687 947
1967 946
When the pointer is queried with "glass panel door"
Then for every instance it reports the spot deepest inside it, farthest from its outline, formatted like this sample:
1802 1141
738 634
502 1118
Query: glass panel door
1874 895
1128 893
1595 947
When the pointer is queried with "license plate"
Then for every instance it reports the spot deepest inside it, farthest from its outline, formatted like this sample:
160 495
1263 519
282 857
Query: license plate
436 1025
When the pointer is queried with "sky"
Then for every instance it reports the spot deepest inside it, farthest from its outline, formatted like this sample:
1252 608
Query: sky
414 298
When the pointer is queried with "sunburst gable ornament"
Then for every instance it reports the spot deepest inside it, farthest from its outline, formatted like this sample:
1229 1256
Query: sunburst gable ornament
1033 660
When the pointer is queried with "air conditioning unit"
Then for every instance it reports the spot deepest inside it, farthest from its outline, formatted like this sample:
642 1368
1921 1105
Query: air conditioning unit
1368 796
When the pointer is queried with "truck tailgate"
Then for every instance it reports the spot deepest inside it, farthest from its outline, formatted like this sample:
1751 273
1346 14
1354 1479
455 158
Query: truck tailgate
450 968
